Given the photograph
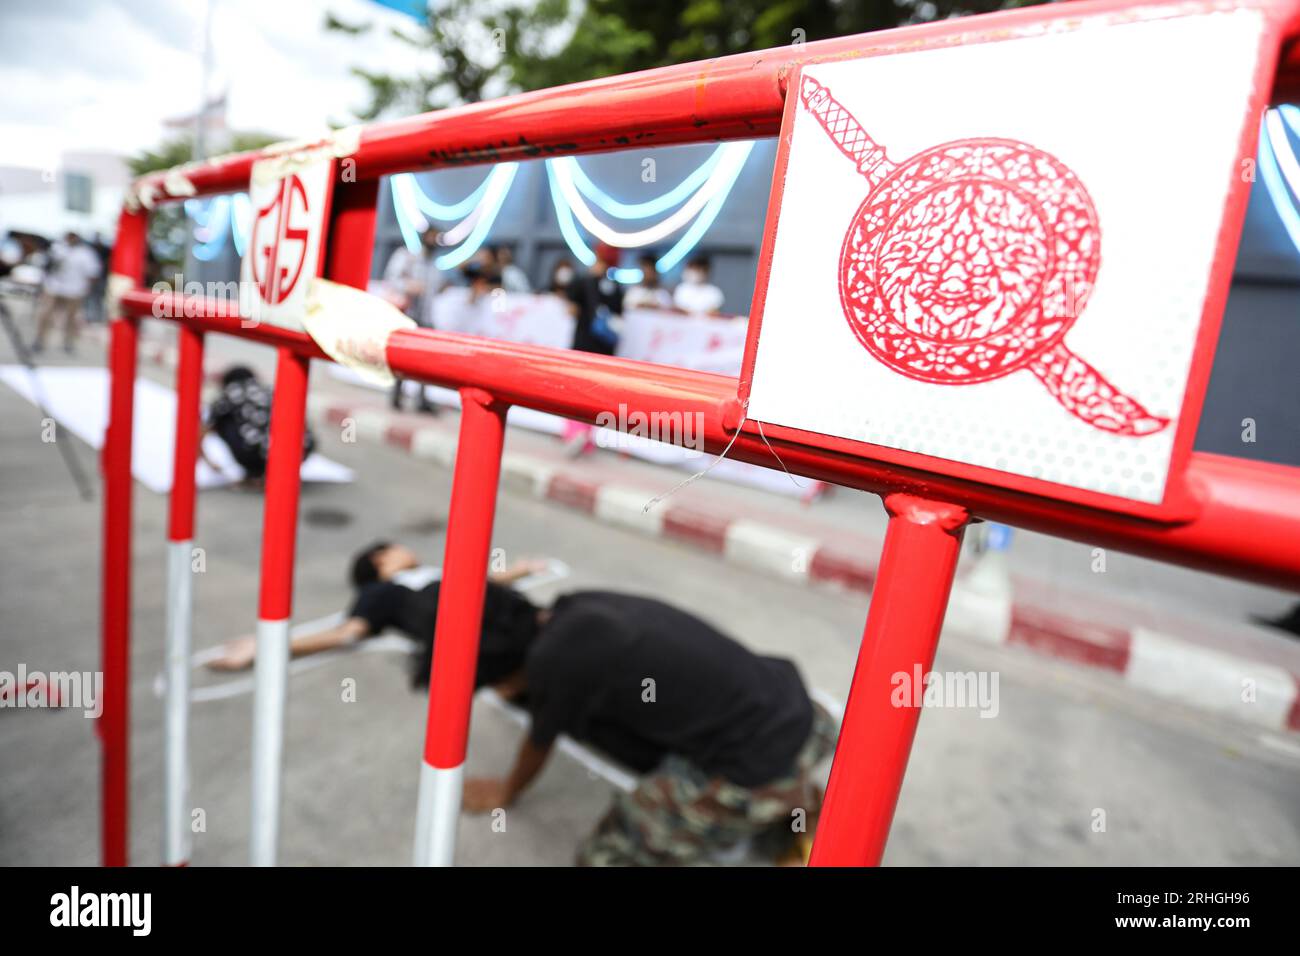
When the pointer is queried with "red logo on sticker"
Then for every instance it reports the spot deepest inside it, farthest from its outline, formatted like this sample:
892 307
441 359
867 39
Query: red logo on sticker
972 260
279 247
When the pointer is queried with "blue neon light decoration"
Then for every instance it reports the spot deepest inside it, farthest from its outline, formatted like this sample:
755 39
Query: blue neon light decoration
651 207
684 245
1271 175
568 227
487 201
501 179
241 221
691 238
215 219
211 224
430 207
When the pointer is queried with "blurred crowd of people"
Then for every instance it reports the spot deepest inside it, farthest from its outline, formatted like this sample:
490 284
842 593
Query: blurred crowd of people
413 280
592 295
68 276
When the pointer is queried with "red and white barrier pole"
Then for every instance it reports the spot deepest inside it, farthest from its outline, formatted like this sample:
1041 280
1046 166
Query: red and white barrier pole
279 538
114 725
460 618
115 612
922 544
180 601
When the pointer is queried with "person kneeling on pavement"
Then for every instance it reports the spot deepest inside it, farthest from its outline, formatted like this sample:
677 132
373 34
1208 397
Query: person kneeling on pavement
241 417
725 740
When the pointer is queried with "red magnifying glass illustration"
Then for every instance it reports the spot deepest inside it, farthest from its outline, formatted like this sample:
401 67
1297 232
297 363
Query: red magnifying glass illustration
970 261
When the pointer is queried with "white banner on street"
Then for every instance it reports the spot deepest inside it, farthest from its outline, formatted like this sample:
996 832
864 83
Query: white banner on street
705 343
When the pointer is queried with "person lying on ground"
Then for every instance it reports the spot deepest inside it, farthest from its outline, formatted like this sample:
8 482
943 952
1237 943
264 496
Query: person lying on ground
393 590
724 739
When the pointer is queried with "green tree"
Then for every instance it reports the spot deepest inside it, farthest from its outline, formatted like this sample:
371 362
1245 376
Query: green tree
469 53
167 226
180 149
527 46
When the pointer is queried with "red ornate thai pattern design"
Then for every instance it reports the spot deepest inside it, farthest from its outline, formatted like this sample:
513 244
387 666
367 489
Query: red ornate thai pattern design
972 260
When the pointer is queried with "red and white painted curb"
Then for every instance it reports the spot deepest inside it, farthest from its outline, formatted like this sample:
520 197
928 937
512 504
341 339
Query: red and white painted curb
1152 661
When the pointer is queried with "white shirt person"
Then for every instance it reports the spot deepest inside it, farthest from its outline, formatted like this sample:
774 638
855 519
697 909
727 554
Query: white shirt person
695 293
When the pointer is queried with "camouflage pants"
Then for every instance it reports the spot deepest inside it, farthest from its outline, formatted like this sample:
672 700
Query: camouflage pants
680 816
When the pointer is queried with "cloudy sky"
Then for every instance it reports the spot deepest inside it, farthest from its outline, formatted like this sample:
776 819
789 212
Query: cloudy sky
103 74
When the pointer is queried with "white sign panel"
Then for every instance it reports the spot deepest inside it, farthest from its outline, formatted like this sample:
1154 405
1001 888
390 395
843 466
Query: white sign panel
290 201
999 254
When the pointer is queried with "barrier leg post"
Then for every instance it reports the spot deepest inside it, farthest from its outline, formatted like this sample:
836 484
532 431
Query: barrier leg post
180 590
922 544
279 537
113 726
456 634
115 718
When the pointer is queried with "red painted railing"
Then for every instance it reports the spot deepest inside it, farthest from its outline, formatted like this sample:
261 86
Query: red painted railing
1244 521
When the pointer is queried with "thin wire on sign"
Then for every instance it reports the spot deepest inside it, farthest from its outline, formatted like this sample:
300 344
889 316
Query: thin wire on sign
776 456
699 474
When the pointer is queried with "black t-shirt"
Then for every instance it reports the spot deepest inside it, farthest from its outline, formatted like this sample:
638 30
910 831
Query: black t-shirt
731 712
386 604
409 602
241 417
595 296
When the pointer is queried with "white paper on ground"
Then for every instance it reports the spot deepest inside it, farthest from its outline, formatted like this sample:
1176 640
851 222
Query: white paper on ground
77 398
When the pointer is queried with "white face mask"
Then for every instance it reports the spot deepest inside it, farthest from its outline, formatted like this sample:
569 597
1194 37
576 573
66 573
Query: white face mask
693 277
564 276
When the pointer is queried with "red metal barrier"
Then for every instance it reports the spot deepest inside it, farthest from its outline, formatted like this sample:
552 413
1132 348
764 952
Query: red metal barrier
180 598
1245 523
1243 518
114 724
460 609
275 604
917 563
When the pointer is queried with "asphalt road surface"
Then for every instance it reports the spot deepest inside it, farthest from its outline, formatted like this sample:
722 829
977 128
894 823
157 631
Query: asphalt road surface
1075 768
